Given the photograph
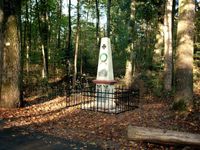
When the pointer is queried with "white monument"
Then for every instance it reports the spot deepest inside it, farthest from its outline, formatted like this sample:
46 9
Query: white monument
105 78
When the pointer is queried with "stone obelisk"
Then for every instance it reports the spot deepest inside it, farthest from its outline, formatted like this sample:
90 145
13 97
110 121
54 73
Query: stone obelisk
105 77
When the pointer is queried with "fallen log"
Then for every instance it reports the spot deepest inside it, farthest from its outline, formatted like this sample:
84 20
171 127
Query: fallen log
162 136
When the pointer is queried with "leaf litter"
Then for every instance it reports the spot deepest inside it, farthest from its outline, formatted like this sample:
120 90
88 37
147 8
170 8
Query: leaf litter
107 130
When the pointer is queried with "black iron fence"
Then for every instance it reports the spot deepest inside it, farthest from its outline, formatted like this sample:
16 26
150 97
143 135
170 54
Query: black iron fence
86 95
104 99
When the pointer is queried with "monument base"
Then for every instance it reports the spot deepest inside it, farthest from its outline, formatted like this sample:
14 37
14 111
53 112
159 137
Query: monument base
95 107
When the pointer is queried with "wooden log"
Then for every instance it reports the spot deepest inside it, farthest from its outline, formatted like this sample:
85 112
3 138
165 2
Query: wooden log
162 136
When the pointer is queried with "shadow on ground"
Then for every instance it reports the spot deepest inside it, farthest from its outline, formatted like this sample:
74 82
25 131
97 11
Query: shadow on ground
20 139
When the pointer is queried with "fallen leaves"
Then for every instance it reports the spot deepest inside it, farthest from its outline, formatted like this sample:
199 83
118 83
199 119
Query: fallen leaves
109 131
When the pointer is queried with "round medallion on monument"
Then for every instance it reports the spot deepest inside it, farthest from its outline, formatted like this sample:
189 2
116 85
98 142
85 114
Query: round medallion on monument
103 57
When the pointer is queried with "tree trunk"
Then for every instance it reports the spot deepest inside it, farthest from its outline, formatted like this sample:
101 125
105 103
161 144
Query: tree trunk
43 29
44 37
97 24
44 69
108 17
27 37
157 58
68 64
184 61
1 43
162 136
77 43
129 62
129 72
30 34
58 36
59 14
129 67
168 57
148 53
10 91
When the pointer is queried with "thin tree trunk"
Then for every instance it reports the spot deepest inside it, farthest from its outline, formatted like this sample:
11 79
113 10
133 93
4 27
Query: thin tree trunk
148 48
97 23
173 21
68 64
81 56
174 39
44 69
10 89
49 29
26 42
42 27
168 57
59 13
1 44
44 37
185 48
21 77
30 32
77 43
83 45
59 16
108 17
157 58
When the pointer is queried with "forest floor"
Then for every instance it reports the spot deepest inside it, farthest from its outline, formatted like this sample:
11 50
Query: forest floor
109 131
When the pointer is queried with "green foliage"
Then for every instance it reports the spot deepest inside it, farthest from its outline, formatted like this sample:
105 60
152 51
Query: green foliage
146 10
148 13
120 22
35 57
153 80
120 34
179 106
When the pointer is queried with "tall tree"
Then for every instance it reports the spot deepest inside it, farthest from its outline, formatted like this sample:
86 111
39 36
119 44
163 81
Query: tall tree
76 43
184 61
129 49
59 14
10 52
68 64
29 36
157 58
108 17
44 34
26 40
97 23
58 34
1 43
159 45
168 55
